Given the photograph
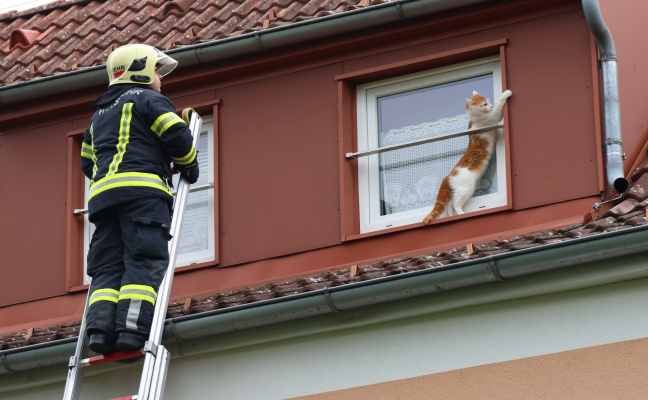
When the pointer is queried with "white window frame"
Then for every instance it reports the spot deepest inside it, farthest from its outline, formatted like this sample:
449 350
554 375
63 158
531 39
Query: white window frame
367 124
182 260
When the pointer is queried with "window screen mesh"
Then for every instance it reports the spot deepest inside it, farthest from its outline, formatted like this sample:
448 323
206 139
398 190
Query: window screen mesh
410 177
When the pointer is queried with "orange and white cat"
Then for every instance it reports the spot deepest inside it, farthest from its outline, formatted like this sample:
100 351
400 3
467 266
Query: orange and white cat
459 185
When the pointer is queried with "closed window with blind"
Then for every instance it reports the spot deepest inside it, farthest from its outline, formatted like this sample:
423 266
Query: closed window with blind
399 187
197 241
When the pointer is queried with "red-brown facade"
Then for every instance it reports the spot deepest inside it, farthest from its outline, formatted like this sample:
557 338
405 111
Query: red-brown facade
286 196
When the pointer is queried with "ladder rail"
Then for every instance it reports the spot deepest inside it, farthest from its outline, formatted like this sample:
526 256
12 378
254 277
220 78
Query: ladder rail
74 378
164 291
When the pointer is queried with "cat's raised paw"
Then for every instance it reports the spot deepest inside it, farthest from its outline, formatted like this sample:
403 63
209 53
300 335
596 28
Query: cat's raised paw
507 94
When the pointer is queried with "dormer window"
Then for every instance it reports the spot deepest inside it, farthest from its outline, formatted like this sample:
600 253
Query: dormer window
399 187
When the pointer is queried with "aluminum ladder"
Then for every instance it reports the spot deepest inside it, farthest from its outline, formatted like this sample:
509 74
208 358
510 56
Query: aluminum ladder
156 356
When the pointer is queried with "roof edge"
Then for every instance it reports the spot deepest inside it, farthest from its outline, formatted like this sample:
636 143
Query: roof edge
245 44
501 267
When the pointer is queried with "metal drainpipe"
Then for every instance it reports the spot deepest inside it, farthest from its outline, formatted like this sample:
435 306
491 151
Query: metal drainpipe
611 111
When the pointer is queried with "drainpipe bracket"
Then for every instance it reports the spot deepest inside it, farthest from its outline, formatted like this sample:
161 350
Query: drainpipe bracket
5 363
174 331
329 300
597 206
612 141
257 40
492 268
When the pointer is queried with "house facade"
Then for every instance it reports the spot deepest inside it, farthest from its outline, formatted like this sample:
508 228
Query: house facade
304 266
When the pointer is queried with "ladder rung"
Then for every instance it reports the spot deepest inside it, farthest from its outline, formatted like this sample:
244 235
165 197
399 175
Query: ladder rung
117 356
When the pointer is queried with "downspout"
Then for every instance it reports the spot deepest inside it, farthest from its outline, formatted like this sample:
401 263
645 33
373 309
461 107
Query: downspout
611 111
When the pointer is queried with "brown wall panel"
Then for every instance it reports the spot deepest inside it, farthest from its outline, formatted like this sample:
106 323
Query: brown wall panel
553 140
279 165
32 213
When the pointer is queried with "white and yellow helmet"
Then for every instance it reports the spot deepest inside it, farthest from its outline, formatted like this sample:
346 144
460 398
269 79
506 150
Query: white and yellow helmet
137 63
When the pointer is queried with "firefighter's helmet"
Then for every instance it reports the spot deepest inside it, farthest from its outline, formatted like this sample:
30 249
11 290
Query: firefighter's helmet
137 63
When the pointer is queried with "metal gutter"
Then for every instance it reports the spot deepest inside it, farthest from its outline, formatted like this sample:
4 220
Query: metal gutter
245 44
498 268
611 109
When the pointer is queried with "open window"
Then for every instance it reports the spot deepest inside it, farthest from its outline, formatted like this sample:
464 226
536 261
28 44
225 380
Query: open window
197 241
414 113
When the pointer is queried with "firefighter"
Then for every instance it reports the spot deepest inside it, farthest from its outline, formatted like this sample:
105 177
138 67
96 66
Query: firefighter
133 138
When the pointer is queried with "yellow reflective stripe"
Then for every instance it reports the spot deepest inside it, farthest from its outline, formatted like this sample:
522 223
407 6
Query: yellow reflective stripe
124 179
124 137
94 152
164 122
86 150
111 295
138 292
186 160
144 288
137 297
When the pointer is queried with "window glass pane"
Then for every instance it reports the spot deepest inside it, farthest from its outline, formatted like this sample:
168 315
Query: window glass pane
197 234
194 235
409 178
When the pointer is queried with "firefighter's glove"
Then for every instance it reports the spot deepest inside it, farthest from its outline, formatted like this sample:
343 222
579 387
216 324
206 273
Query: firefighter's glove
189 172
186 114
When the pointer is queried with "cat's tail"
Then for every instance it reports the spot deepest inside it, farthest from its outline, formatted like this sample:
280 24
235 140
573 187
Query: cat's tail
445 192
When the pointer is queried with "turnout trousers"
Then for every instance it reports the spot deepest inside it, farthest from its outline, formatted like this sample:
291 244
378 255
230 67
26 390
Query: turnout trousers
127 260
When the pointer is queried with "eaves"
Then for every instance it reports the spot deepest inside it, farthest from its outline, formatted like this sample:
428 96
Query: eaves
245 44
576 254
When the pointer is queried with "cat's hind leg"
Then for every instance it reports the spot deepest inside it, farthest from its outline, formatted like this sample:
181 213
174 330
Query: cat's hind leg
450 210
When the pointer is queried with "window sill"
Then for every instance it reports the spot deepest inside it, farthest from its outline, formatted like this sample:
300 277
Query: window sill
421 225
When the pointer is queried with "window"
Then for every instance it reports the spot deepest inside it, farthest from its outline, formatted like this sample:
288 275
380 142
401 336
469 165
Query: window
197 242
399 187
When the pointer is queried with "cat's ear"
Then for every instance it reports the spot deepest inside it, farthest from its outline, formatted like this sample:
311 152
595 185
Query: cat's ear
475 93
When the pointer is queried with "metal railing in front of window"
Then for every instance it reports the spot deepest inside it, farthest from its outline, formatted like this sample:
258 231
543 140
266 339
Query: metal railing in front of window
350 156
192 189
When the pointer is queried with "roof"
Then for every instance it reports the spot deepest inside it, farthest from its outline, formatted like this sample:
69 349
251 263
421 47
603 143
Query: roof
69 35
629 212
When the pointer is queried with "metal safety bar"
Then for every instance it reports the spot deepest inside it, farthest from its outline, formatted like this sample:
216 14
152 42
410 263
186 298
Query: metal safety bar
350 156
199 188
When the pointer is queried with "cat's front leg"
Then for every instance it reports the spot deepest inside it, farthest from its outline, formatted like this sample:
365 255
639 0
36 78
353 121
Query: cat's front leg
498 110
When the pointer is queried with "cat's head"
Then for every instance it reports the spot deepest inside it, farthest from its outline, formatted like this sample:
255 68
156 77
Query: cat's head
478 104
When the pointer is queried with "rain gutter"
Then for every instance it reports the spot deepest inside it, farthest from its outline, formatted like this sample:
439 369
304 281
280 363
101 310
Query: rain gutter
611 110
241 45
492 269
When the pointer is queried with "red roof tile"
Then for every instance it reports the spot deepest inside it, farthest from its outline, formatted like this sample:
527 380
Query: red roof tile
83 31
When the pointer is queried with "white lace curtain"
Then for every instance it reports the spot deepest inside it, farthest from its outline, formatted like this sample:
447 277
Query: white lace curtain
410 177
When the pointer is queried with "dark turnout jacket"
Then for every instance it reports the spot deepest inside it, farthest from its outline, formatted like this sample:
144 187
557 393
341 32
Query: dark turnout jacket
127 150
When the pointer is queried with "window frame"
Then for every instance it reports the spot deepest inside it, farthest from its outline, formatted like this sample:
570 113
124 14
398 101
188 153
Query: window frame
77 232
182 260
348 81
369 175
